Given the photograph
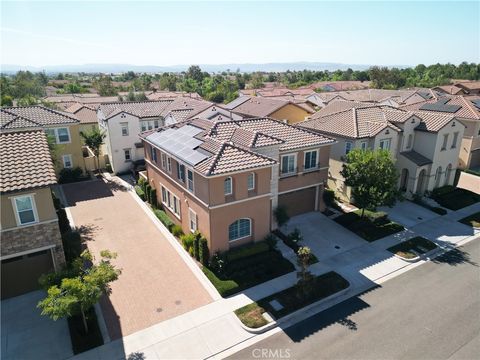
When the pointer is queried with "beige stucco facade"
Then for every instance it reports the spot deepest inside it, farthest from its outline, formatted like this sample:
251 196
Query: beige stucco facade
72 148
290 112
469 156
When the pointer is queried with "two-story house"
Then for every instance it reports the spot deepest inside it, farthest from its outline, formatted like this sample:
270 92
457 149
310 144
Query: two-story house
63 127
225 178
424 146
30 237
465 109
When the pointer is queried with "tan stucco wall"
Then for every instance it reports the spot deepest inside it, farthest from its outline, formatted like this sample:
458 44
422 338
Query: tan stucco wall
291 113
73 148
43 202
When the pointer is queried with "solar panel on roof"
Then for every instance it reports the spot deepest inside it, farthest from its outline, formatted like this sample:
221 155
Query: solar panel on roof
441 106
476 102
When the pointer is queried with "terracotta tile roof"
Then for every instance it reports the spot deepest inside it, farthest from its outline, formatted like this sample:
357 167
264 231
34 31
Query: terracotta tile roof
467 109
293 137
158 95
84 113
339 106
355 123
432 121
229 158
261 106
449 89
141 109
469 85
25 161
416 158
39 115
338 85
180 105
277 91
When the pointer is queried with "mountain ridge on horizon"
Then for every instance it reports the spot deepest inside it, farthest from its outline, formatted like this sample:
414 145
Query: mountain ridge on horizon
243 67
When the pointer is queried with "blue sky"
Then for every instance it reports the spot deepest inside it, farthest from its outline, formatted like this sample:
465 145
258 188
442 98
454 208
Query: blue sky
169 33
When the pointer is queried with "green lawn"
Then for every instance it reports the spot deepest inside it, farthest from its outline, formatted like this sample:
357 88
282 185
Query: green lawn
472 220
454 198
419 244
322 287
373 226
251 315
249 271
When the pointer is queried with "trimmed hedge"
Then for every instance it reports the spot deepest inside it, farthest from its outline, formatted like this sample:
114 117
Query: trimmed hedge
163 217
63 222
176 230
246 251
72 245
224 287
153 197
203 252
196 246
140 192
148 192
328 197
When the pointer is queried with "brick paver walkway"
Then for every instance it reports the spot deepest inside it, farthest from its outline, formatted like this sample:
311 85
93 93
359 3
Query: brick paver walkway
155 283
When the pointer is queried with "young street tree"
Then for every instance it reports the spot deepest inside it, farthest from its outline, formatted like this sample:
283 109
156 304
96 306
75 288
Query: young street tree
94 140
305 277
78 288
372 177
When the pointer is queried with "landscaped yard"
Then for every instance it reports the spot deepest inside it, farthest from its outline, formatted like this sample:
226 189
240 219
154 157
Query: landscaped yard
454 198
245 267
251 315
472 220
373 226
289 301
413 247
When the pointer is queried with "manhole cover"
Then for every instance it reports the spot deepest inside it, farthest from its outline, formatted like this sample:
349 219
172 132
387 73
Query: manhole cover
178 302
337 247
159 310
98 219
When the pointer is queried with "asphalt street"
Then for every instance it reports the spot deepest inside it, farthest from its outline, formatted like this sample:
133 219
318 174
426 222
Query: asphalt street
430 312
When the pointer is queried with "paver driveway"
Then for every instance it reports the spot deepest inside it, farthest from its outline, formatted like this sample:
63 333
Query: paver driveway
155 284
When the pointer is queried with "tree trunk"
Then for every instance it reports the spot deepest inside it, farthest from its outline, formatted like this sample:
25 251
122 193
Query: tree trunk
85 325
363 212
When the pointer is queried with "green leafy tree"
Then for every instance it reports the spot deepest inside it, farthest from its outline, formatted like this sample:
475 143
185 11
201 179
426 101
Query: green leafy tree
53 148
27 100
373 178
7 100
94 140
304 276
105 87
78 288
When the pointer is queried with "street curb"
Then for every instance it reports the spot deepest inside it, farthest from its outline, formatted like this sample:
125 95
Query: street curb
294 314
424 256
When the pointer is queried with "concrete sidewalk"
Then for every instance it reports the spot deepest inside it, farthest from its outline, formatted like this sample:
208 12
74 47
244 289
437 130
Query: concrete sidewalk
213 331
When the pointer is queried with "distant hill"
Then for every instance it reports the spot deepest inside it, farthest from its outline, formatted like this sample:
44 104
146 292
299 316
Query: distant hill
120 68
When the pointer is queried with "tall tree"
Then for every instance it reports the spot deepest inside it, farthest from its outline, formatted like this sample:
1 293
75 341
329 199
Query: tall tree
94 140
373 178
77 289
305 277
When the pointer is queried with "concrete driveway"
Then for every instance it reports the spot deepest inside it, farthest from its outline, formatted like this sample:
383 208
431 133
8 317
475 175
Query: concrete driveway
322 235
28 335
156 284
408 213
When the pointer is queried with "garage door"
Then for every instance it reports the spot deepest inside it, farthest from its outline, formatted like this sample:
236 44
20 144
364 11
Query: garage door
298 202
20 274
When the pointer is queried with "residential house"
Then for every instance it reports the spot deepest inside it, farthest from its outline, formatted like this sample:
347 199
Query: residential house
450 90
225 178
465 109
424 146
86 115
63 127
31 244
283 110
470 87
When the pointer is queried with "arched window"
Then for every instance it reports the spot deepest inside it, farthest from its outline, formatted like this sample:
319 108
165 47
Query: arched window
410 141
240 229
227 186
438 175
448 173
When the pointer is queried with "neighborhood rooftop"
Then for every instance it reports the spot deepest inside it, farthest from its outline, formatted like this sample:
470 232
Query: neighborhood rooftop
467 107
25 161
29 115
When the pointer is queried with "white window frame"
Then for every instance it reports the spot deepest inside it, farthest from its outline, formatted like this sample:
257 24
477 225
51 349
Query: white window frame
57 137
385 141
169 164
181 166
69 157
231 186
294 171
315 167
190 182
34 209
171 202
455 139
364 145
348 147
164 160
192 219
129 155
244 236
153 154
124 126
251 176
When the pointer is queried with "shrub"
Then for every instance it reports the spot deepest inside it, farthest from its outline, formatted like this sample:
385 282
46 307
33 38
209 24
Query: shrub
153 197
271 240
148 192
140 192
224 287
70 175
203 251
72 245
247 251
196 245
177 230
142 183
329 197
56 202
163 217
108 167
187 241
442 190
63 222
281 215
217 264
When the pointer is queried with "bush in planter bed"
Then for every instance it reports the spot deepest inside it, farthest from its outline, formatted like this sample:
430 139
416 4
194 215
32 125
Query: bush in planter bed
177 230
